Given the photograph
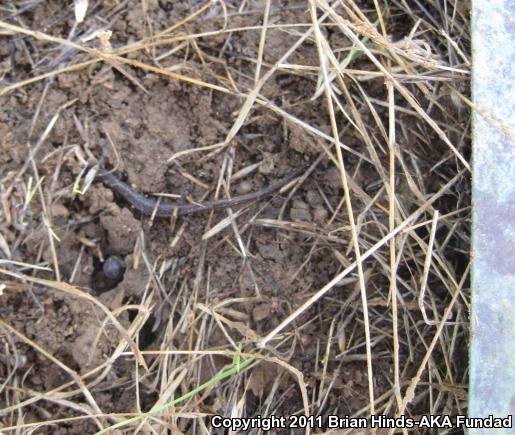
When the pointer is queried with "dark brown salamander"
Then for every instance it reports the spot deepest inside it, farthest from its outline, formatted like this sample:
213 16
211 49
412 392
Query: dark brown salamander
148 206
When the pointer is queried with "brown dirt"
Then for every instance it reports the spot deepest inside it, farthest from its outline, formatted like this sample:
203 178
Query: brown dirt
124 117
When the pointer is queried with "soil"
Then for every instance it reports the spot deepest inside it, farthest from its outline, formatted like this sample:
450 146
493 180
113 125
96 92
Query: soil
120 116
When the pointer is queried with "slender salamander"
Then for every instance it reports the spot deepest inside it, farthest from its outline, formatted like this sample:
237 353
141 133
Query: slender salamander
150 206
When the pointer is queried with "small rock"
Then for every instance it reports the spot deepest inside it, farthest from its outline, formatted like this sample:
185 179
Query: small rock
59 211
313 198
261 312
320 214
113 268
300 212
244 187
270 251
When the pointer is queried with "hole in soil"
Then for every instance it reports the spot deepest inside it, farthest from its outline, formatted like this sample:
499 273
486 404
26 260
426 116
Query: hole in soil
146 335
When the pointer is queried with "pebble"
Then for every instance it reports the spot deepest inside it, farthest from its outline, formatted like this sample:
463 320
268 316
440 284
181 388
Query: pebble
113 268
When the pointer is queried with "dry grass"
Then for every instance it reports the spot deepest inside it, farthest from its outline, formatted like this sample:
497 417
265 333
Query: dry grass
400 242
